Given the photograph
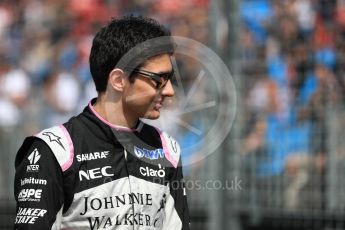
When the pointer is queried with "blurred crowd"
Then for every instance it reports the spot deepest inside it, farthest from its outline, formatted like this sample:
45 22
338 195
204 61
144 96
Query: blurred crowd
44 66
45 45
293 56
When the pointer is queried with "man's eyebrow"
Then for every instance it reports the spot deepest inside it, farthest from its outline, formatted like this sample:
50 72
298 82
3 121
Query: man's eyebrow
162 72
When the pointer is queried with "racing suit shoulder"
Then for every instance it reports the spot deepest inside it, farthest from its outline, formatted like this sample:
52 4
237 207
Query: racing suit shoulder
38 186
171 147
60 142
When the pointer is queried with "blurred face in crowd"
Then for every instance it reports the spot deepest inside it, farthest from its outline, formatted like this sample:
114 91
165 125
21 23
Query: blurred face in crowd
144 96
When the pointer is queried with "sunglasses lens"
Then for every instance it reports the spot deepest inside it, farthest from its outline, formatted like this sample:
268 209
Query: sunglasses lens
160 79
166 77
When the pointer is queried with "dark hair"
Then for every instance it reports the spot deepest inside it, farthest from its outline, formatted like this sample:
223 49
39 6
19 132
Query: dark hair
115 39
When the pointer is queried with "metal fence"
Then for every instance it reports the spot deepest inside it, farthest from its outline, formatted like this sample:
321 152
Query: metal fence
10 140
307 194
280 171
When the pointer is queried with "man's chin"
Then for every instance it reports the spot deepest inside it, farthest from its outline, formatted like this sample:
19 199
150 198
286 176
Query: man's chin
152 115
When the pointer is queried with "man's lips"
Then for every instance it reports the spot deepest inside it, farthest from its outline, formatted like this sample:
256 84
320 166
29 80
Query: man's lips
158 104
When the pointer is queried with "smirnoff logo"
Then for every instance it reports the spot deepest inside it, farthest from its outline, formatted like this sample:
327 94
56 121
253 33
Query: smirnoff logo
149 154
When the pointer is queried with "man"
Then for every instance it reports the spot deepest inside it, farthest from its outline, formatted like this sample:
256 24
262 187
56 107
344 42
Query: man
105 168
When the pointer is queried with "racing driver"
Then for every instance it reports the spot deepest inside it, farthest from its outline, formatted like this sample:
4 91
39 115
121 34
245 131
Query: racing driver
105 168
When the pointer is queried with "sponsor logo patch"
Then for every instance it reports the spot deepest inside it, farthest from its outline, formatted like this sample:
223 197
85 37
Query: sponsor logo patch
33 158
146 171
96 173
54 138
149 154
33 195
29 215
98 204
32 180
92 156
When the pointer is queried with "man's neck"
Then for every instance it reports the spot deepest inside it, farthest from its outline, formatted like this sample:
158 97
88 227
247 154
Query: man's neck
112 111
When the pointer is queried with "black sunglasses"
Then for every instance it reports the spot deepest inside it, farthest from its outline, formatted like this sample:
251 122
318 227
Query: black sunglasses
160 78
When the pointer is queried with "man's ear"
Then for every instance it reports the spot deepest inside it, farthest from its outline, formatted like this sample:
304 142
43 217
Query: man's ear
117 79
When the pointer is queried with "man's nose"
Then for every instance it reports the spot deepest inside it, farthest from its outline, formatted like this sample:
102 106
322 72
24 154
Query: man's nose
168 90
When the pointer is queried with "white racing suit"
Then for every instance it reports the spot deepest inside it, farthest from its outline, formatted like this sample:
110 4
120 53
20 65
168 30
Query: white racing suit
89 174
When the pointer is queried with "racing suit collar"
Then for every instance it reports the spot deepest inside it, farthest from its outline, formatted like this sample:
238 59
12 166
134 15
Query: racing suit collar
137 127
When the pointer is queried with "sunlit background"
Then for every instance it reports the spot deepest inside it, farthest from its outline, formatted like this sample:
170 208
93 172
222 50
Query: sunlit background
282 166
